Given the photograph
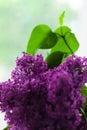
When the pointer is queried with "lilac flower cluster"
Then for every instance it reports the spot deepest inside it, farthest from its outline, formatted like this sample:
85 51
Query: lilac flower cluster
77 67
64 87
37 98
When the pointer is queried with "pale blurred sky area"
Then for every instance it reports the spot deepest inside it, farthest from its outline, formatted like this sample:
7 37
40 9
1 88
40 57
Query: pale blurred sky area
19 17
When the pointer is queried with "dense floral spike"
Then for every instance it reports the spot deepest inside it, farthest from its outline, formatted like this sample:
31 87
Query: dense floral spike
64 101
36 98
23 96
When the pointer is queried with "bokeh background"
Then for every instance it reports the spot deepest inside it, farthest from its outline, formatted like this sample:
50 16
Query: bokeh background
19 17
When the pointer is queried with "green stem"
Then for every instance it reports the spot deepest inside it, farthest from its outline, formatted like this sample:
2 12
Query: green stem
84 114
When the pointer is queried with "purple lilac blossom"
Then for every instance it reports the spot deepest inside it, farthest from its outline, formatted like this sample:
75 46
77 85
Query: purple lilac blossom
37 98
64 101
77 67
62 109
23 96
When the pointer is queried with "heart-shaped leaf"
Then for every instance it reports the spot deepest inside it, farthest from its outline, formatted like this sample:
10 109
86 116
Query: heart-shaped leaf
54 59
41 37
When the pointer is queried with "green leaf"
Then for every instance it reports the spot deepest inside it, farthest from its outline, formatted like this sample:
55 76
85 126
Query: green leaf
61 18
54 59
62 30
84 114
60 46
67 44
85 105
6 128
72 41
49 42
84 91
64 57
41 37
